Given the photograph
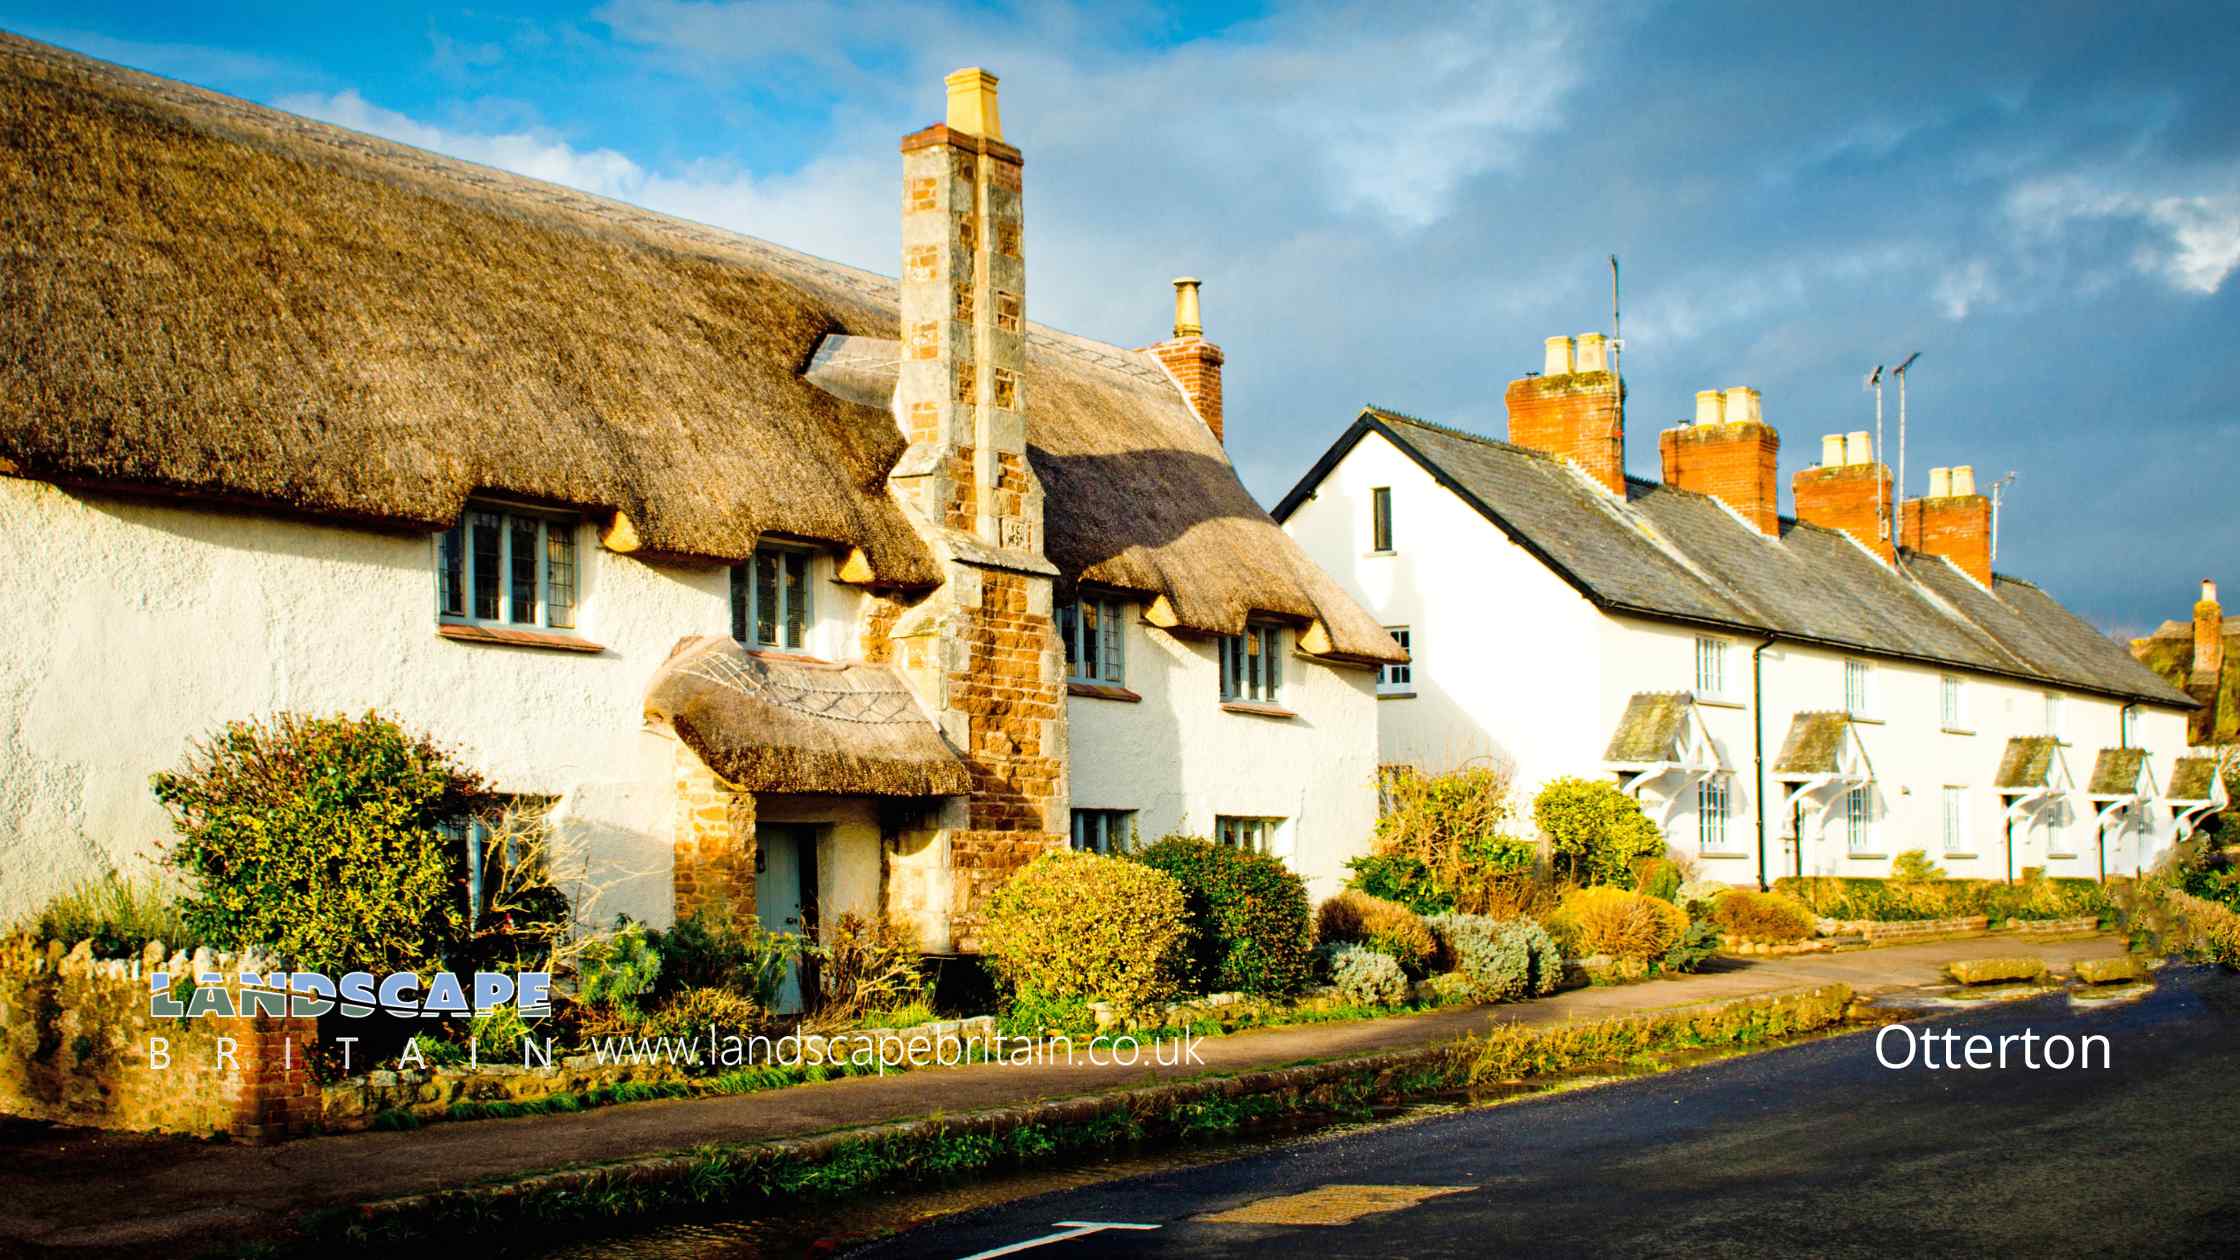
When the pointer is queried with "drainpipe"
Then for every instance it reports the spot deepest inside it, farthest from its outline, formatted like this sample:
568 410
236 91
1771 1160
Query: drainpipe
1758 749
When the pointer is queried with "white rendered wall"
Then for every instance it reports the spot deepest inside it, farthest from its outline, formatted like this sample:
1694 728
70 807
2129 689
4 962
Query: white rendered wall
1178 759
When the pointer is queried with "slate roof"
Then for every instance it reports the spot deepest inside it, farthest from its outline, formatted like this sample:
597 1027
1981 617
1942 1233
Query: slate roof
2193 779
2026 762
1812 744
2115 772
1676 555
1648 727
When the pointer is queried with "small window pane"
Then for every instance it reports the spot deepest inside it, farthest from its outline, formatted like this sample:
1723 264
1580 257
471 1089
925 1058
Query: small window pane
451 572
1380 512
1092 637
766 598
522 555
1399 679
1113 670
742 600
488 547
796 598
560 575
1069 622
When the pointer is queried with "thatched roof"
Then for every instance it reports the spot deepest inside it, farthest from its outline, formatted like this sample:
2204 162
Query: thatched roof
213 298
2193 780
766 723
1814 744
1648 728
2115 772
2027 762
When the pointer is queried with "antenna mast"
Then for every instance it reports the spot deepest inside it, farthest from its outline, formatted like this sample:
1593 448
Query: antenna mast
1882 495
1617 350
1900 372
1998 492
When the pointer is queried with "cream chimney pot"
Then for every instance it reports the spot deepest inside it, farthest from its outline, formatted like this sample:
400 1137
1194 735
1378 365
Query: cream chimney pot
1710 408
972 104
1742 406
1940 483
1858 447
1187 321
1963 478
1593 353
1831 450
2208 591
1559 357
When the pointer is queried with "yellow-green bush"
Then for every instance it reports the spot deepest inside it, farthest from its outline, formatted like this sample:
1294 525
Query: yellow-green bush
1744 914
1514 1050
1354 917
1595 831
692 1012
1083 926
1624 925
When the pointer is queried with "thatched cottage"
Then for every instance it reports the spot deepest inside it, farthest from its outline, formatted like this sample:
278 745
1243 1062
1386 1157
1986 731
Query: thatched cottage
785 582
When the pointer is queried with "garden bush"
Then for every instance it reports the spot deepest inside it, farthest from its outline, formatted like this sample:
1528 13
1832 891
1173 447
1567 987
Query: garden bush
1356 918
866 964
1745 914
1250 929
715 947
1080 925
118 915
1400 879
1595 831
1504 961
619 969
1367 977
2033 897
692 1012
1659 877
1450 828
323 840
1696 946
1627 926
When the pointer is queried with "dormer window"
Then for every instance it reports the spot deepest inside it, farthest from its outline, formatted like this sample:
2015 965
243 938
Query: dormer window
1094 634
1251 668
770 599
507 566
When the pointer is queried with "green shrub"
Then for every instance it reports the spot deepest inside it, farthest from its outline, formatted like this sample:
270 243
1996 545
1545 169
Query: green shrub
498 1034
1696 946
1080 925
2033 897
1745 914
692 1012
1626 926
1504 961
619 969
1367 977
1033 1015
1400 879
324 841
120 916
1356 918
867 964
716 948
1914 867
1658 877
1596 831
1249 926
1452 826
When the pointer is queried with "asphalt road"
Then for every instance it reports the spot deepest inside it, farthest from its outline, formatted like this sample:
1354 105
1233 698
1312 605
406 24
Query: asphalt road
1815 1149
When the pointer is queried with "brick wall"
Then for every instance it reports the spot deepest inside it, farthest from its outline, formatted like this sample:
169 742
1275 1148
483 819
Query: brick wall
1844 497
1734 463
1008 684
1196 364
1957 527
1574 416
714 841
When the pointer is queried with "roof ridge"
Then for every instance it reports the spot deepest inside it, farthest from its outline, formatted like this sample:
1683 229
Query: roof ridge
1451 431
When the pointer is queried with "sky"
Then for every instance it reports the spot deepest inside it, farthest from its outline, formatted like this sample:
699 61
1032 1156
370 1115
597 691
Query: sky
1398 204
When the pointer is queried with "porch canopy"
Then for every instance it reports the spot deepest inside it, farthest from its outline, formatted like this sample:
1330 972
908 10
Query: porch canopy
1822 756
2196 791
2033 771
1662 734
776 724
2122 782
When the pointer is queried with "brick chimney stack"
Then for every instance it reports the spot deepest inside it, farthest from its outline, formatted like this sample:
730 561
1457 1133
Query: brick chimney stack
1953 522
1194 361
1729 453
1847 491
1571 410
2208 642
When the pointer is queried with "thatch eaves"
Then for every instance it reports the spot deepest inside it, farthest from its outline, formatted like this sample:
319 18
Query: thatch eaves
2115 772
1649 728
1814 744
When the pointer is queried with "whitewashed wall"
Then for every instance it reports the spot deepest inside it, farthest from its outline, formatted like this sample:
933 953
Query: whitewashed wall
1178 758
1514 663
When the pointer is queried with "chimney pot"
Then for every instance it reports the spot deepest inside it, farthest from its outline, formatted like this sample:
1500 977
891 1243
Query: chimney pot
1194 361
1963 478
1940 483
972 103
1858 447
1593 353
1729 454
1572 414
2208 590
1741 405
1187 322
1710 408
1559 357
1831 450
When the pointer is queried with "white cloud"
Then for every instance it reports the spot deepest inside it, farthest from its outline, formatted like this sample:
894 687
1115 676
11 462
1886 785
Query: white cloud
1964 287
2191 238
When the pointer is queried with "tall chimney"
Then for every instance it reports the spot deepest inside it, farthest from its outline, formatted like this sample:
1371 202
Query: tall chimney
1953 522
1571 411
980 652
1194 361
1729 453
2208 643
1847 495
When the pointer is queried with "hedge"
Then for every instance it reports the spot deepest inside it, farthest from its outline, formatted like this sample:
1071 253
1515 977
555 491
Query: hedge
1249 926
1079 925
1908 901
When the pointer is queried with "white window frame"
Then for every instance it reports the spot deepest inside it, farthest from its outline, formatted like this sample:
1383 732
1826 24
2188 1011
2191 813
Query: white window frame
1249 832
1095 654
1711 667
1380 521
746 599
1714 808
2054 712
1105 831
2056 821
1400 679
1858 687
1952 702
2127 725
559 566
1252 664
1953 820
1858 821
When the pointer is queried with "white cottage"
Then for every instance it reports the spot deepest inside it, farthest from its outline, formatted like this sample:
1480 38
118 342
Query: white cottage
1784 695
784 582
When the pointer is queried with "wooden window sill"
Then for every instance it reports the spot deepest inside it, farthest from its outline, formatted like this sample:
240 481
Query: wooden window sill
1721 855
516 636
1102 691
1956 730
1968 856
1869 857
1256 709
1396 695
1720 702
1863 719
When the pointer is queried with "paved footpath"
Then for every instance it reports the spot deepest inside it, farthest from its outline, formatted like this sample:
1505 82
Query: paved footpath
68 1188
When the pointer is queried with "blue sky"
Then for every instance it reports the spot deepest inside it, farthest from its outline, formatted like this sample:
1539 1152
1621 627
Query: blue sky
1398 204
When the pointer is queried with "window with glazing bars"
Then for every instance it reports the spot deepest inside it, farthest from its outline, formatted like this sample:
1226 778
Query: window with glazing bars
1251 667
1949 702
1711 667
1380 519
1857 832
770 599
1094 635
1103 830
1858 696
1254 835
504 566
1400 679
1955 819
1711 814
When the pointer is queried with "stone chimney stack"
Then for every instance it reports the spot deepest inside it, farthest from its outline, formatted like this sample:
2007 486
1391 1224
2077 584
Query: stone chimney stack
1847 495
1729 453
2208 642
1953 522
1194 361
1571 410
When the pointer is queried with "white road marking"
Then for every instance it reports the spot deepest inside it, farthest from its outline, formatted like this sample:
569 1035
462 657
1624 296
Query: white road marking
1067 1230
